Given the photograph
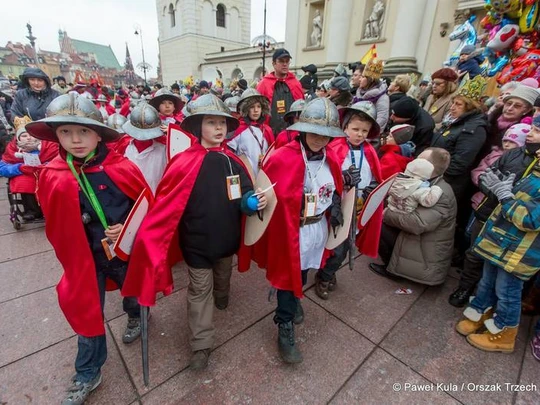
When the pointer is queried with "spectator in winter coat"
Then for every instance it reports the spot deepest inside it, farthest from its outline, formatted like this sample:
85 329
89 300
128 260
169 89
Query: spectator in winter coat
34 99
281 88
444 85
407 111
418 246
469 62
372 89
393 157
398 88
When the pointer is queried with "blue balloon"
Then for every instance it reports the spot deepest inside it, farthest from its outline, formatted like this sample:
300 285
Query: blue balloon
499 65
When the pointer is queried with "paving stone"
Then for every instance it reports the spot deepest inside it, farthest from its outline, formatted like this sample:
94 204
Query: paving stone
169 350
376 381
29 324
425 339
366 301
21 244
29 274
247 369
43 377
529 374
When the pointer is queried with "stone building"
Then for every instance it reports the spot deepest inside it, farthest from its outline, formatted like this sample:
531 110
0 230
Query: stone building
191 29
410 35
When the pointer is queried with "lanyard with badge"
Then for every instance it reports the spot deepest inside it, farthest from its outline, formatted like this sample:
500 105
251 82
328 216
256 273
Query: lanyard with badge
261 146
234 189
353 159
310 198
88 191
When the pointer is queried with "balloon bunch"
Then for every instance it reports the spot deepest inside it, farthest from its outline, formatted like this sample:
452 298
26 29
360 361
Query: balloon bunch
512 38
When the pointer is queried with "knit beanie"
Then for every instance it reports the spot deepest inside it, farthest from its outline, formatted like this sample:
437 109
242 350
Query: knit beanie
402 133
530 82
420 169
340 83
525 93
243 84
406 107
20 131
517 134
307 82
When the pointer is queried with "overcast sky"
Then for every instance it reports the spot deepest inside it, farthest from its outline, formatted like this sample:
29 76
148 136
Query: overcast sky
110 22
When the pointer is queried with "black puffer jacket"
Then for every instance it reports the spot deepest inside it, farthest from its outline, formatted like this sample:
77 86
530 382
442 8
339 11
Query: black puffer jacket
464 139
513 161
28 102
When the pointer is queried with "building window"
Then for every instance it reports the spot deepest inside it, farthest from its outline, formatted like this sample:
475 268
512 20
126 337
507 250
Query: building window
220 15
173 17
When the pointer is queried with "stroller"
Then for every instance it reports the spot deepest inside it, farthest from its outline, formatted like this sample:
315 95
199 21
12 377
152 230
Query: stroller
23 209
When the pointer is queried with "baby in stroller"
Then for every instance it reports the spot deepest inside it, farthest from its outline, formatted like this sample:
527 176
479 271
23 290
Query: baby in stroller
23 153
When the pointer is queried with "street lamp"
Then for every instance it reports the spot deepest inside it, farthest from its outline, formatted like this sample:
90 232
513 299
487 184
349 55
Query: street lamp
143 66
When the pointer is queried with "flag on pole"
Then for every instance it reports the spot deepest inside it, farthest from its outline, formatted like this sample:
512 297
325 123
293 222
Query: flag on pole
370 54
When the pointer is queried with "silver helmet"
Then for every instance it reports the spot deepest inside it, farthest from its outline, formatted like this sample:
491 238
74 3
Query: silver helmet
164 94
321 117
101 98
144 123
207 104
250 93
366 109
232 103
115 121
296 108
70 109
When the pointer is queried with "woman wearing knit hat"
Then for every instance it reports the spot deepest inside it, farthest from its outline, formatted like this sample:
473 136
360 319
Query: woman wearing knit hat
340 92
372 89
444 85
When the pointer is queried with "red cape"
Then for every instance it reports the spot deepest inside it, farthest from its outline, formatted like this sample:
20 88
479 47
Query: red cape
156 247
26 183
58 194
265 129
367 240
267 84
278 251
284 137
392 161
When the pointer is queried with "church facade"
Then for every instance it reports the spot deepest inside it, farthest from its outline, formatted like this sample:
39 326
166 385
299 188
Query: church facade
191 29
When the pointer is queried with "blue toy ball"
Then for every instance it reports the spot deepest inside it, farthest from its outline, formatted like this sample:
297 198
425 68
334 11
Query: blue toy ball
253 202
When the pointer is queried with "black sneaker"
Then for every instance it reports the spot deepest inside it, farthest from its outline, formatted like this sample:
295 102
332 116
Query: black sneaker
199 359
460 297
79 392
133 330
221 303
380 269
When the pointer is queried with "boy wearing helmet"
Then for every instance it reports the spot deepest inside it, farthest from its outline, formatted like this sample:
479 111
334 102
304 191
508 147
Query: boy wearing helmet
89 179
197 217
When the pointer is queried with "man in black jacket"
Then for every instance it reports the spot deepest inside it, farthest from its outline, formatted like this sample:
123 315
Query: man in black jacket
518 161
407 111
34 99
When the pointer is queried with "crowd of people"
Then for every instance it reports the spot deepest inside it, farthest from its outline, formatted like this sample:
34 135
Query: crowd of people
465 192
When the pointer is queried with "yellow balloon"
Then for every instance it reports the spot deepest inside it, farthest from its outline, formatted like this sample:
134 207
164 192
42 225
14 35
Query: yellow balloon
529 18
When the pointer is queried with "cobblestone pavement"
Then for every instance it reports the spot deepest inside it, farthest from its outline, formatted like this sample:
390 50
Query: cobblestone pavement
366 345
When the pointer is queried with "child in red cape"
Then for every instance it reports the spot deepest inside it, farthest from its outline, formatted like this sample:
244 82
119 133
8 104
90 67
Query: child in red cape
89 179
291 117
169 106
22 181
198 216
308 187
396 150
360 167
253 136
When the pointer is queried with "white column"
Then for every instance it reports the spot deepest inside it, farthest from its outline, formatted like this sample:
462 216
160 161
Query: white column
336 30
291 28
406 35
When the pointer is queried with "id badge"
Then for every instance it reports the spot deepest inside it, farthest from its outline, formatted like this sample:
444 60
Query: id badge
280 104
108 248
233 187
310 205
31 159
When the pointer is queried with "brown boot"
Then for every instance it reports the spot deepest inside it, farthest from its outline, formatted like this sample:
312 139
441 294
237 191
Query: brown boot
531 304
473 321
321 288
502 341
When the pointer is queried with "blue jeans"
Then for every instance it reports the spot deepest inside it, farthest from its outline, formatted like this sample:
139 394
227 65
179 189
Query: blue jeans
502 291
92 351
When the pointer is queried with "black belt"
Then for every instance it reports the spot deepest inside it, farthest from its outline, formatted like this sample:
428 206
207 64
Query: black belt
311 220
